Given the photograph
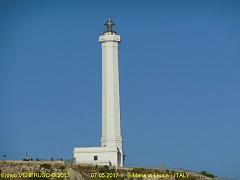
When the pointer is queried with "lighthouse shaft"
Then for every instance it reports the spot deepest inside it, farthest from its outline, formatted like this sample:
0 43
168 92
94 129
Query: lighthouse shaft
111 127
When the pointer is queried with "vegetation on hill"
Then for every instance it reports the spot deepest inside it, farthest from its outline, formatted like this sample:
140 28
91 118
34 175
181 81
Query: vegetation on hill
64 171
205 173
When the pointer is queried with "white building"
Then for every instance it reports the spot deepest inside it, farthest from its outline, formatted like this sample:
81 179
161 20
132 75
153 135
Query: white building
111 150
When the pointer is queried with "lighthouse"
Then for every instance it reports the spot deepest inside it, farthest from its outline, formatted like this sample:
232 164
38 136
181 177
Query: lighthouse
111 150
111 127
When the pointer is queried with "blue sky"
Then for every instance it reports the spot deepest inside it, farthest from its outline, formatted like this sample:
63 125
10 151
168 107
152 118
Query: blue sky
180 80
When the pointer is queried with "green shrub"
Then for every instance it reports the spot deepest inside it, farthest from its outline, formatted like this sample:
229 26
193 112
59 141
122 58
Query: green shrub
103 169
45 166
62 167
138 170
205 173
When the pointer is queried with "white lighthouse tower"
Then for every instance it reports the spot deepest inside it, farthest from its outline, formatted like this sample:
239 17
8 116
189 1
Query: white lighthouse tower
111 150
111 131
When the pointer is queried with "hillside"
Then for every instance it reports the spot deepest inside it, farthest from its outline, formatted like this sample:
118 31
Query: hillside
19 170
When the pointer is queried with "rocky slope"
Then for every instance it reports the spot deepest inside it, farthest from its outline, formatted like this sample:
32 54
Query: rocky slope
19 170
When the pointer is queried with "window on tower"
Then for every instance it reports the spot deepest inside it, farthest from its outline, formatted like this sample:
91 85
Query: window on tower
95 158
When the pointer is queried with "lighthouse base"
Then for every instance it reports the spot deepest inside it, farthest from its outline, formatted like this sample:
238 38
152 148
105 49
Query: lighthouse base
98 156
